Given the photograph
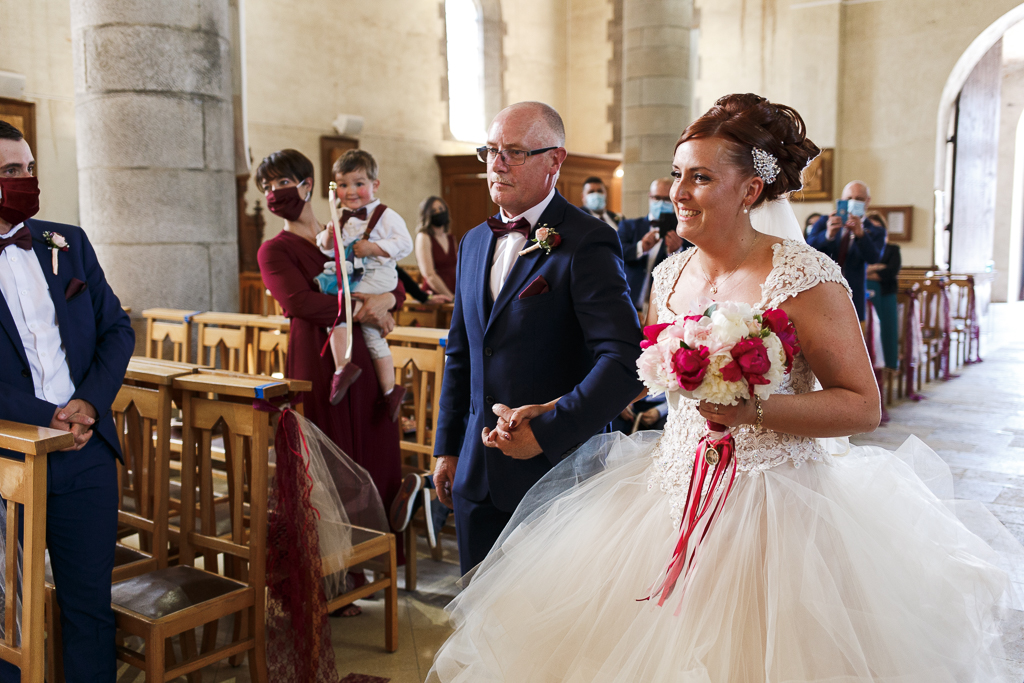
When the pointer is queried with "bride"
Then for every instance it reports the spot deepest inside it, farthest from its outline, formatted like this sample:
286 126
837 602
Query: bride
827 563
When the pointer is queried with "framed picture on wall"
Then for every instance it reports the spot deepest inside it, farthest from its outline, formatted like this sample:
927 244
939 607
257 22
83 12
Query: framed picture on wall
817 179
21 115
331 148
899 221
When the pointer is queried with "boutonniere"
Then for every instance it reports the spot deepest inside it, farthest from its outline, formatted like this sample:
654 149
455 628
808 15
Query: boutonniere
55 242
546 238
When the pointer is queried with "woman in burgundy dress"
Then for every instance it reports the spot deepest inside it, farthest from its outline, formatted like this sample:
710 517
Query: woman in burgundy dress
359 424
435 248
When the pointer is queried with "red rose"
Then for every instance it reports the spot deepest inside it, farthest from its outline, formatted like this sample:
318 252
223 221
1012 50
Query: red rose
554 240
749 361
652 332
776 320
690 366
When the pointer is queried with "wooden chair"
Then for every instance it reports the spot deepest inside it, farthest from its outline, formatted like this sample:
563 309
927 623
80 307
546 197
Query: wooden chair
414 317
170 324
268 344
934 304
964 328
177 600
421 370
376 549
222 340
24 483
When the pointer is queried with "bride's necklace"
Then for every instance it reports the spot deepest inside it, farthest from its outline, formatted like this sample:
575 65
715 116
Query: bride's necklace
720 280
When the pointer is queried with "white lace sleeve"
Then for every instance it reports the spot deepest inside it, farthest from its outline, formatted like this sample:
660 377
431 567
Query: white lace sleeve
665 276
797 267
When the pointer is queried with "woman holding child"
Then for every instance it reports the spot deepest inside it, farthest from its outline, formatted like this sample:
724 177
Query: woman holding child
360 423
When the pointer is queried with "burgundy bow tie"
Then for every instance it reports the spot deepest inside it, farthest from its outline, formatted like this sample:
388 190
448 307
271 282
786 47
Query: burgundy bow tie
22 239
500 228
360 214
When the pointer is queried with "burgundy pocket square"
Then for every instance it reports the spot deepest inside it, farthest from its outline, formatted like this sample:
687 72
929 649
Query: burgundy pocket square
538 286
74 288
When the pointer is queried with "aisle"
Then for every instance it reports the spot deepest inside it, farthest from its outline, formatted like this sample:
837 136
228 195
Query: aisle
975 422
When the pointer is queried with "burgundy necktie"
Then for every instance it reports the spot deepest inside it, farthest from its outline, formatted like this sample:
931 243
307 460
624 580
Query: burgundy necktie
22 239
844 246
500 228
346 214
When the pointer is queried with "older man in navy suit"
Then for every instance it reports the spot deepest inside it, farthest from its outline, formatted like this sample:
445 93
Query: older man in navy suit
63 355
543 343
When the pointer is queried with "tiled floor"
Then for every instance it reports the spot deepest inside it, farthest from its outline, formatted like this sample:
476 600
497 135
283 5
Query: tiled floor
975 422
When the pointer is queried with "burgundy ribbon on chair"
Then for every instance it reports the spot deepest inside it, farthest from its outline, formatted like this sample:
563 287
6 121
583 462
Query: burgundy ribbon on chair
947 332
713 461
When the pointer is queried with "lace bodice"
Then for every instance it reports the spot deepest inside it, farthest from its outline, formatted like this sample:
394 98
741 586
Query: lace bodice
796 267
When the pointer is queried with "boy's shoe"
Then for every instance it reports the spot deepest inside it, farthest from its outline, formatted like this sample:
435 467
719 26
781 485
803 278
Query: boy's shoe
405 503
341 381
394 400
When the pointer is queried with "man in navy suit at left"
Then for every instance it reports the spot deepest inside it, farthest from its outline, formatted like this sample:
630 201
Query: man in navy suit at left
63 353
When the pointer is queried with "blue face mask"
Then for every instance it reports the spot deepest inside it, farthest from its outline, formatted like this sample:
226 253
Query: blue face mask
660 206
595 201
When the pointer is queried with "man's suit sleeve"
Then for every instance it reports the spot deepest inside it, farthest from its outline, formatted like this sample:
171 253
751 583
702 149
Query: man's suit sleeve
115 339
612 333
20 406
629 235
872 243
818 238
455 388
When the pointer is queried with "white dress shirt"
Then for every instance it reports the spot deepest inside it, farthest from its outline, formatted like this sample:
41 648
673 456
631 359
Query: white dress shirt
507 249
24 288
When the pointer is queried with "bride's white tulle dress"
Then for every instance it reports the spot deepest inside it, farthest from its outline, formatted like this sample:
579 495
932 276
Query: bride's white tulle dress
827 563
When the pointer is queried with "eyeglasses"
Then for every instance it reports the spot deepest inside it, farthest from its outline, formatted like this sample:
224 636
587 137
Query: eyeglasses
511 157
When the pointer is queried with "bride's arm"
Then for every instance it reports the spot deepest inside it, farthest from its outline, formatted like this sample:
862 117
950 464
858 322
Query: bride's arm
833 344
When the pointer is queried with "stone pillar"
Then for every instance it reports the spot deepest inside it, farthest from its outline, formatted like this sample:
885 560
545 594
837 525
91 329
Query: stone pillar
156 167
656 92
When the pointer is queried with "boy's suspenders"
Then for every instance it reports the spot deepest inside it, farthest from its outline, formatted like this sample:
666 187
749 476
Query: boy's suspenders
370 225
374 219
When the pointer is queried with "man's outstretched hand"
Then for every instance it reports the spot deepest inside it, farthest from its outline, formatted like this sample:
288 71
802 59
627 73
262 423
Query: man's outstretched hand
77 417
513 436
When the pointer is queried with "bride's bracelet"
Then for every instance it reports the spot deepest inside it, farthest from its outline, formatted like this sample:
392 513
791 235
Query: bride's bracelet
760 413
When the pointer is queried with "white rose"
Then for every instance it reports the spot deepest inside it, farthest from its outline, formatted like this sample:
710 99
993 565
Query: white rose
729 322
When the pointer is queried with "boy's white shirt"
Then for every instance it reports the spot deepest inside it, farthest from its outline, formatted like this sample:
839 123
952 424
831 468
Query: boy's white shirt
390 234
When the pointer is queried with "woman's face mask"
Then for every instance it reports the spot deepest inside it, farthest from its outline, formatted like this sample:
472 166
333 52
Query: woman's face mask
440 219
660 206
286 203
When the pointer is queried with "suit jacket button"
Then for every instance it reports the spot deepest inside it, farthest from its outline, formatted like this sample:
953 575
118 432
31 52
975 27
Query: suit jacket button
25 373
489 400
487 351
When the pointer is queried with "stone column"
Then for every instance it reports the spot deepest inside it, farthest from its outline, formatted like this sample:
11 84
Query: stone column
656 92
156 167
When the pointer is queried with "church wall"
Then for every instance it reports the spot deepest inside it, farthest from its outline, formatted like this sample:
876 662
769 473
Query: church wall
588 93
304 68
876 69
1011 104
36 40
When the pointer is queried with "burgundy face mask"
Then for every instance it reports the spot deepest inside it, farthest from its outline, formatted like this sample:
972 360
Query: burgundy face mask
286 202
19 199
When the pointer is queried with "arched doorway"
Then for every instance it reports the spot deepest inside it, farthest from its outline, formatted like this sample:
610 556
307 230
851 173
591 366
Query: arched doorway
968 148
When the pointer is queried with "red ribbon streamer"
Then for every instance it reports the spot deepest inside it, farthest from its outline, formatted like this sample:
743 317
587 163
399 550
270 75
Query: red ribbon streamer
714 458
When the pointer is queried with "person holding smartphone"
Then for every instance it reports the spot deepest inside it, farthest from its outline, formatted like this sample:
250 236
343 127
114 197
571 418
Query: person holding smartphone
851 239
649 240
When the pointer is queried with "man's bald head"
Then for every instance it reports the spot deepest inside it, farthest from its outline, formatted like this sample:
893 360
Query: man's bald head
661 188
857 189
540 124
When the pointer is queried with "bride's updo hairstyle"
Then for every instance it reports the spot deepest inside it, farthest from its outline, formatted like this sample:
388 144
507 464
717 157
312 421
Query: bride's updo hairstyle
749 121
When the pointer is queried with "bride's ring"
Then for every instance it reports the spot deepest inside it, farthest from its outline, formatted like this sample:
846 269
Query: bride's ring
716 409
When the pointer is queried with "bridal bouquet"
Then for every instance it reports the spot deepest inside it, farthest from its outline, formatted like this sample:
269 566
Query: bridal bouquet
728 352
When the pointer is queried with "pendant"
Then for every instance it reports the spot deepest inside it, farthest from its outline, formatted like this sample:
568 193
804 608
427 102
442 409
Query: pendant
714 290
711 455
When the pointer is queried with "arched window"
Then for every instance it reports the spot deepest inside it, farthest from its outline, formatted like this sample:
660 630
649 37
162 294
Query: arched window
464 29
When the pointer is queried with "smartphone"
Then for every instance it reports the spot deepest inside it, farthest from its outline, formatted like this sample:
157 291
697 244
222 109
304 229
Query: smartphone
666 223
843 210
